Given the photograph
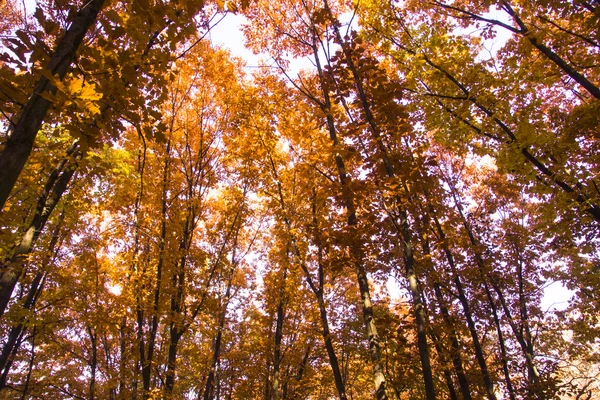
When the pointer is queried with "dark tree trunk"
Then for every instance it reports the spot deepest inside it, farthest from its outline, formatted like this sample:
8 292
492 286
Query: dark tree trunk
355 245
279 336
12 267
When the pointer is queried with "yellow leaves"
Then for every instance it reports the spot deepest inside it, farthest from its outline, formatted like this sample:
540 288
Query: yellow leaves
228 6
82 94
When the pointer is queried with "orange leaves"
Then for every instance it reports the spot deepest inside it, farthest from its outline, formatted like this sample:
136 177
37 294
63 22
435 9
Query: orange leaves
82 94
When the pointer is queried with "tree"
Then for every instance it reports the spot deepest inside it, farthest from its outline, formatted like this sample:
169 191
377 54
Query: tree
188 227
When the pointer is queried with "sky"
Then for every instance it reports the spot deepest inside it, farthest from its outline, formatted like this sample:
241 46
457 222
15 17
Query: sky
228 34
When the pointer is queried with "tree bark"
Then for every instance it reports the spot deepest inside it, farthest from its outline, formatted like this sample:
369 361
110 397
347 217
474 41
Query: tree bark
317 290
355 246
402 215
279 336
462 297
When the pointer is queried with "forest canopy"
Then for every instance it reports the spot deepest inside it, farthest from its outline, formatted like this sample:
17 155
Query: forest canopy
391 221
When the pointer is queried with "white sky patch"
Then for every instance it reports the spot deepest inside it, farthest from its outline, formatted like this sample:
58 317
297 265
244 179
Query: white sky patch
556 297
228 34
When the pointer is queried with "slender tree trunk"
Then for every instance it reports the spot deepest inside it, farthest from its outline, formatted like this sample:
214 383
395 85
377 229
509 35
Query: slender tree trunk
525 331
176 327
299 374
455 345
31 363
437 343
480 263
93 362
13 266
20 143
33 294
503 353
455 352
135 269
121 387
11 346
279 336
149 358
318 291
462 297
401 215
355 245
11 356
267 385
526 346
210 380
174 337
419 309
333 361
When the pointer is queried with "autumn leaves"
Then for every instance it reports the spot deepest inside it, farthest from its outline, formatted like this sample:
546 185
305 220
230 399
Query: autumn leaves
252 221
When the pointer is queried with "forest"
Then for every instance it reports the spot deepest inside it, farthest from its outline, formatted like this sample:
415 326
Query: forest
397 218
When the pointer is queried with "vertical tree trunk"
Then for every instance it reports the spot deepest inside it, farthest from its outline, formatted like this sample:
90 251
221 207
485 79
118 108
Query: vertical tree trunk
31 362
526 346
174 337
93 362
455 350
176 327
279 336
210 380
437 343
525 331
355 246
19 144
121 387
401 215
462 297
503 353
149 351
318 291
333 361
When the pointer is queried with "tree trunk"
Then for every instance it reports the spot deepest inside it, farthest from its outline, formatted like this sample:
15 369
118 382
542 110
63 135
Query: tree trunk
447 372
31 362
462 297
318 291
503 353
455 350
279 336
30 300
403 223
355 246
333 361
210 380
93 363
13 266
